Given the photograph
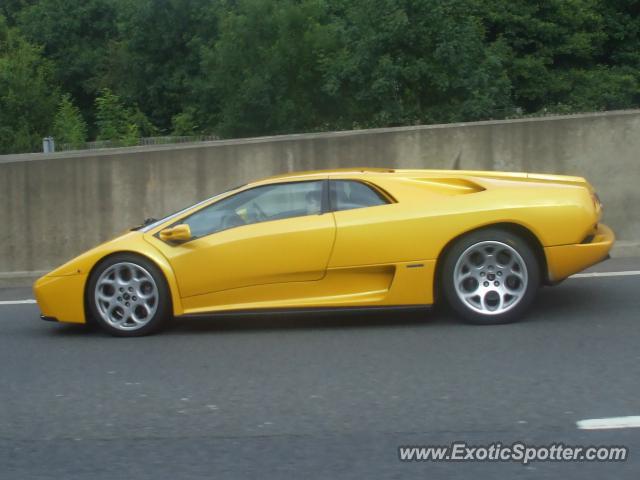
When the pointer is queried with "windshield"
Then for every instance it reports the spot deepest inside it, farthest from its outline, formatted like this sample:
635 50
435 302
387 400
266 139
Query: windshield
155 223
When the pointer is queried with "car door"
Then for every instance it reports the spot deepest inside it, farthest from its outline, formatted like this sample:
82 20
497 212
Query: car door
275 233
365 219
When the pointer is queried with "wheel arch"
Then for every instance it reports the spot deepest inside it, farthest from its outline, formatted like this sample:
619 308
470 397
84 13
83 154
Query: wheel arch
514 228
162 266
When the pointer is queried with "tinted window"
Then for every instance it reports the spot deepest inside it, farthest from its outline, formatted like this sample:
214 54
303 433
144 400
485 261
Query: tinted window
260 204
347 194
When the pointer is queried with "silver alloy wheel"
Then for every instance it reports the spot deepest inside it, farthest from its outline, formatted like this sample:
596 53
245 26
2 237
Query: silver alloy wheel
126 296
490 277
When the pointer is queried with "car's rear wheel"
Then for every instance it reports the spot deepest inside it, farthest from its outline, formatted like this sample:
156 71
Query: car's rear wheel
490 276
128 296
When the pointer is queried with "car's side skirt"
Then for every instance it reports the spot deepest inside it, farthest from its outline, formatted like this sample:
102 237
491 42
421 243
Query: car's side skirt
308 311
404 283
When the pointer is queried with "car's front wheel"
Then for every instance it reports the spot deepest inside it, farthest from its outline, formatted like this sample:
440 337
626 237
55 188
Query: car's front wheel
490 276
128 296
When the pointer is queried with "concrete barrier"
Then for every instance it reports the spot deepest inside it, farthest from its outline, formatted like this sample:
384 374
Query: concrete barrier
54 206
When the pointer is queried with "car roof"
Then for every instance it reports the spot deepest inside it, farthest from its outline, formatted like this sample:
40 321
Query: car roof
359 171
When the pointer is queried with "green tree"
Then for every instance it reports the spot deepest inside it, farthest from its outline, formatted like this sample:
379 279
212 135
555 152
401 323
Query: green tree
568 55
184 124
157 56
143 125
27 96
11 8
131 135
414 61
263 73
68 125
312 65
76 37
255 67
114 120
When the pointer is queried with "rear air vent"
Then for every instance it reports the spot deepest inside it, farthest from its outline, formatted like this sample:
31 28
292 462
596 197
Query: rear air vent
451 186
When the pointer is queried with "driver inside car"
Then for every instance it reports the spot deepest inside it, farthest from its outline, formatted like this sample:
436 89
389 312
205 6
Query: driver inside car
313 200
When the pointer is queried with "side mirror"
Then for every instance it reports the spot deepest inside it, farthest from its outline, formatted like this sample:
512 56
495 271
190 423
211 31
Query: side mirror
179 233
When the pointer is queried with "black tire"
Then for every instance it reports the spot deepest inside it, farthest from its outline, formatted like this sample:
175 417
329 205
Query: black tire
477 309
161 306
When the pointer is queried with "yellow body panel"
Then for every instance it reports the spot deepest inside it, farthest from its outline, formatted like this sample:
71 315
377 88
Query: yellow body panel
62 290
62 297
382 285
290 250
384 255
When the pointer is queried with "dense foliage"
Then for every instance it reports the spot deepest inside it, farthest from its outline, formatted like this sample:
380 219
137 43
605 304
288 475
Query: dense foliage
68 125
119 69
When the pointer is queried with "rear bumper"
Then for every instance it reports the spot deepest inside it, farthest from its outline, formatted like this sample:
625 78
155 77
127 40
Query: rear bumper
565 260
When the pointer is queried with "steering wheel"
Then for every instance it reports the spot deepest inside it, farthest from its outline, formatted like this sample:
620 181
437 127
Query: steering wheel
232 220
261 215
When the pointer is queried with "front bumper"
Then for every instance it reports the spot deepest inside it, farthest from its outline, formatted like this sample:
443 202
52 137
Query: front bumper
61 297
565 260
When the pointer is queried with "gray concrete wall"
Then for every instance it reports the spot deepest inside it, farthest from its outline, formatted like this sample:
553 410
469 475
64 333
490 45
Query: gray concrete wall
54 206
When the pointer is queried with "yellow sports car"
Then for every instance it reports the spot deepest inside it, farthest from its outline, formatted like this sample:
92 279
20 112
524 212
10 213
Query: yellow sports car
355 238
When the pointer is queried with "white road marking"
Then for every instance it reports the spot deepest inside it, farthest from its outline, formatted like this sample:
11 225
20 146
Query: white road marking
17 302
606 274
609 423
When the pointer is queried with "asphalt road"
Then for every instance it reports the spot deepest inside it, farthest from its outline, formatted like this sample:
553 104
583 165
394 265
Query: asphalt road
322 396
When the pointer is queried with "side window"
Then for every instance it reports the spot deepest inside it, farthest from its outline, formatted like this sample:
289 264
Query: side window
260 204
349 194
